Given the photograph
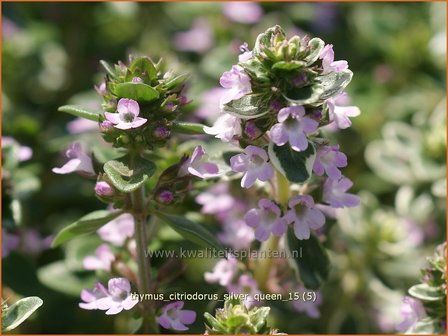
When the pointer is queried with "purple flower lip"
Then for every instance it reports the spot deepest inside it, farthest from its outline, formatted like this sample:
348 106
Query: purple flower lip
253 163
79 161
293 127
226 127
266 220
195 165
237 82
115 299
176 318
335 193
304 216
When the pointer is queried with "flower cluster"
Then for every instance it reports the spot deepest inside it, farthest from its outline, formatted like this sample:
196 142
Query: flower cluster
277 99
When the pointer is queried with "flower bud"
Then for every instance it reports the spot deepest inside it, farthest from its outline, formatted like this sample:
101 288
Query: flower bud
106 125
165 197
251 130
137 80
101 89
161 132
103 188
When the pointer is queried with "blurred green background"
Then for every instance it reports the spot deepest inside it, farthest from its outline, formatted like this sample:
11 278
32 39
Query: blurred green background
396 148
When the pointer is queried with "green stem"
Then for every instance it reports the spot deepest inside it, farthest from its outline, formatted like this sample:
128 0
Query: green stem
265 262
144 266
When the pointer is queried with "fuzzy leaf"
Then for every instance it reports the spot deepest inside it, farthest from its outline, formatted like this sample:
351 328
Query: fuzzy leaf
19 312
128 179
135 91
86 224
143 65
190 230
248 106
188 128
295 166
109 69
334 83
425 292
315 47
81 112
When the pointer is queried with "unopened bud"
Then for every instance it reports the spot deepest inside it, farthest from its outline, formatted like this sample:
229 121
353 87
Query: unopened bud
137 80
161 132
251 130
165 197
103 188
106 125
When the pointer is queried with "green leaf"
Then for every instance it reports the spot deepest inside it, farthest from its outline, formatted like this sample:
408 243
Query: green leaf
304 95
248 106
86 224
58 277
315 47
334 83
81 112
109 69
313 267
190 230
288 66
425 292
188 128
295 166
19 312
127 176
135 91
176 81
143 65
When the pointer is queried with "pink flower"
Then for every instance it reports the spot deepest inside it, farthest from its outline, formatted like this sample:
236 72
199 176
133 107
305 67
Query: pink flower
411 311
266 220
34 243
81 125
310 308
223 272
210 99
102 260
335 193
79 161
304 216
198 39
246 285
216 199
253 163
242 12
196 166
339 112
103 188
176 318
328 63
118 230
9 243
91 296
127 116
118 297
25 153
293 127
237 82
328 160
225 128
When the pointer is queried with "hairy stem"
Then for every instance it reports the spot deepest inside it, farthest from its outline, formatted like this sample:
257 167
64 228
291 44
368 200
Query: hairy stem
265 262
